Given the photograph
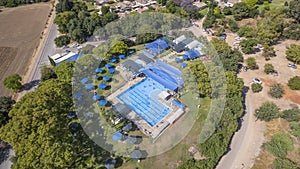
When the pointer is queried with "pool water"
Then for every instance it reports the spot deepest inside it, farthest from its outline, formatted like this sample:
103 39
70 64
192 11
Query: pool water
142 98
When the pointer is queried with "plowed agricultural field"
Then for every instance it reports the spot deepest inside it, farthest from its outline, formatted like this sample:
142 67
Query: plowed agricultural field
20 32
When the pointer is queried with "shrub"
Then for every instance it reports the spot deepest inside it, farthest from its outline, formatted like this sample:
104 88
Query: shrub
233 26
256 87
292 114
268 68
276 91
293 53
251 63
280 144
267 111
280 163
246 31
295 127
62 40
227 11
294 83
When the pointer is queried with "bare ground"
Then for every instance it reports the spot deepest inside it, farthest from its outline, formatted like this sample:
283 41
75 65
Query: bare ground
20 32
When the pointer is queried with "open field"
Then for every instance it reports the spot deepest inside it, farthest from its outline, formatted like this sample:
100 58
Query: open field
20 32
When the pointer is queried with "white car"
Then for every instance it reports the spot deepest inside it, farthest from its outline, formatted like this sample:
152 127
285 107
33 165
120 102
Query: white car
238 38
236 44
255 80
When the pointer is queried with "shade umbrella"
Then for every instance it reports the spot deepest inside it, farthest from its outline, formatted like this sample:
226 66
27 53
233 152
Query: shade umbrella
106 78
98 70
122 56
102 86
117 136
102 102
89 86
177 60
110 163
113 60
96 97
136 154
127 127
111 70
183 65
131 140
185 57
84 80
108 65
78 95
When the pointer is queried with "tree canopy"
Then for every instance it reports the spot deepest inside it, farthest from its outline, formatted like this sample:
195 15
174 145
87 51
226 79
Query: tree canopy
282 163
280 144
294 10
293 53
294 83
13 82
276 90
267 111
248 45
268 68
251 63
5 106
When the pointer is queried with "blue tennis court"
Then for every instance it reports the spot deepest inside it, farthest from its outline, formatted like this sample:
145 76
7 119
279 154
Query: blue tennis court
142 98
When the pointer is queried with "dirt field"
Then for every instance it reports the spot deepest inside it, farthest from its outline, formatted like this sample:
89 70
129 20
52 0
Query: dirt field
20 32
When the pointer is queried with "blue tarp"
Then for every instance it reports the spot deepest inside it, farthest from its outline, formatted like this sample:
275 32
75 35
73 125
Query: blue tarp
106 78
147 54
96 97
183 65
98 70
193 54
89 86
178 104
117 136
73 58
185 57
157 46
102 102
165 74
121 56
102 86
111 70
84 80
108 65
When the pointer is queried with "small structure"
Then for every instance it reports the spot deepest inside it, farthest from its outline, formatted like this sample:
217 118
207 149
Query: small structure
131 66
136 155
106 78
96 97
164 95
98 70
111 70
108 65
102 86
183 65
102 102
117 136
179 39
89 86
110 163
84 80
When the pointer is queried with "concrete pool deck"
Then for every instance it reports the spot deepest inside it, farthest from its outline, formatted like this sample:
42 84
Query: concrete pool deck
153 131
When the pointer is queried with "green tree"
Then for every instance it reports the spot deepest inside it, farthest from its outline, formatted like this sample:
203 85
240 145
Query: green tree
62 40
280 144
118 47
267 111
62 20
251 63
227 11
282 163
13 82
233 26
293 53
246 31
268 68
5 106
292 31
64 71
256 88
294 83
78 35
240 11
276 91
251 3
63 5
104 9
199 70
295 127
248 45
292 114
294 10
268 51
47 73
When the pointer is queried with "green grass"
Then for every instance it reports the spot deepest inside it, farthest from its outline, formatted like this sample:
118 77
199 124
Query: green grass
273 4
204 11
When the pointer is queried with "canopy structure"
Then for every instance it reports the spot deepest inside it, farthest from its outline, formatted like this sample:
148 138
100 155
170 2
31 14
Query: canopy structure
102 102
127 127
96 97
84 80
111 70
136 154
177 60
102 86
178 104
117 136
108 65
110 163
78 95
183 65
106 78
131 140
185 57
99 70
89 86
122 56
113 60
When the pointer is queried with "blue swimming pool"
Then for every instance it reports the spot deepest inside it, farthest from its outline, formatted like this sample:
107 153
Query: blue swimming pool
142 99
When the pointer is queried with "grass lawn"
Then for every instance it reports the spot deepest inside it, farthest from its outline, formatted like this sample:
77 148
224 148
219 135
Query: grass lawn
204 11
273 4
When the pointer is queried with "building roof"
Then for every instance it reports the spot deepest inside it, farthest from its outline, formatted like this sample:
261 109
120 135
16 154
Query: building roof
182 45
144 58
131 66
163 95
193 44
179 39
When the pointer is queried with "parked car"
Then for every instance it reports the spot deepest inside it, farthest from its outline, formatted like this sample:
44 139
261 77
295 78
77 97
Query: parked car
65 46
245 68
260 47
292 66
238 38
255 80
67 51
236 44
